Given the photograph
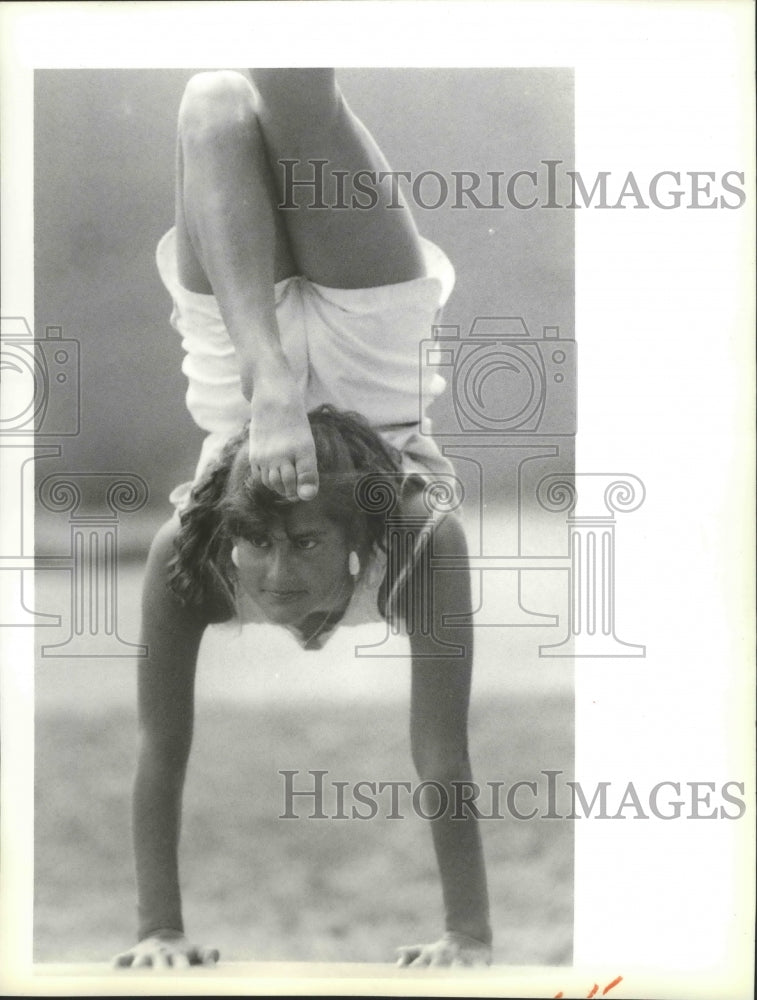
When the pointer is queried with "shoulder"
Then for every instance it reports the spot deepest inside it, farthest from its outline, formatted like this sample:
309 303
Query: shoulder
417 511
419 528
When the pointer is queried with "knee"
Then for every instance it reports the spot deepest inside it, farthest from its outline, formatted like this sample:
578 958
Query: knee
291 87
297 100
216 101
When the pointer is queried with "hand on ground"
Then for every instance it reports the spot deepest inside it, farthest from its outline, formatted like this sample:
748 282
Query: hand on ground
165 950
281 449
450 950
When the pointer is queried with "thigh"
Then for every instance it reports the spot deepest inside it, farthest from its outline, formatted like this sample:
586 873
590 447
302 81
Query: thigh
191 272
220 149
363 235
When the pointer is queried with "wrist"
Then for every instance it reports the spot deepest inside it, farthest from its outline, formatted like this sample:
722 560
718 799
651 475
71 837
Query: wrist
482 937
162 933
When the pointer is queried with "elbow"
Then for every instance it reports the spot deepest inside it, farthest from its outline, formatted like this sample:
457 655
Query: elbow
442 769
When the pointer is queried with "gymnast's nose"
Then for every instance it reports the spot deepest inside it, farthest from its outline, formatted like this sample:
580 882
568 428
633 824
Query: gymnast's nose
280 572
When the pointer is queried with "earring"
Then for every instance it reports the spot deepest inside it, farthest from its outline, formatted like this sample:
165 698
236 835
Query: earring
353 564
235 556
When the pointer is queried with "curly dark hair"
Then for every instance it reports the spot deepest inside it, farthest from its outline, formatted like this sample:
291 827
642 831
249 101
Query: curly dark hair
227 503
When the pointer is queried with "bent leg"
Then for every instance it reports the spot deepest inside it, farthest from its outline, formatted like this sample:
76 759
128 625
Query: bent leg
305 117
232 240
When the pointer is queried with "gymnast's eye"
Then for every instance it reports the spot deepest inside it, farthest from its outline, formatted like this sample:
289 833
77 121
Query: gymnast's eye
306 543
259 541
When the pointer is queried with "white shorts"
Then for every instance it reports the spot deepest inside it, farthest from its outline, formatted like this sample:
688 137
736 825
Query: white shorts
357 349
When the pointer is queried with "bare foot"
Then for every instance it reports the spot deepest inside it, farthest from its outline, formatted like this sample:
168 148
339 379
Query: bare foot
281 449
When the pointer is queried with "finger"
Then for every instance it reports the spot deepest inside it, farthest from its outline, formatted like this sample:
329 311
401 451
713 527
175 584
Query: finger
142 962
123 961
161 960
307 477
209 956
407 954
441 957
288 479
180 961
422 961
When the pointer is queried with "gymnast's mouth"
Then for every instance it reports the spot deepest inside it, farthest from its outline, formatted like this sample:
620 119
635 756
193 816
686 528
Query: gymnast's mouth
284 595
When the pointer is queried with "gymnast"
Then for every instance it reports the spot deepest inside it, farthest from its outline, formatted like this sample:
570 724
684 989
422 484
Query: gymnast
301 328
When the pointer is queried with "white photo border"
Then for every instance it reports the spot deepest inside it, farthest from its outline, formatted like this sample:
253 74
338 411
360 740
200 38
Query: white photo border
663 297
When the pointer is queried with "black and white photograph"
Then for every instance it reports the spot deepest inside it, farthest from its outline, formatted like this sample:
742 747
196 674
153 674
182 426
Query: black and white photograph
322 500
377 468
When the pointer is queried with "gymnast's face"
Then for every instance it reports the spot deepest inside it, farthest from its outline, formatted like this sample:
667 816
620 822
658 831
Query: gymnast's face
296 565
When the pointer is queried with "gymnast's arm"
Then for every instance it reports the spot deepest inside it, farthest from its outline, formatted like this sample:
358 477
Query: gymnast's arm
439 739
172 634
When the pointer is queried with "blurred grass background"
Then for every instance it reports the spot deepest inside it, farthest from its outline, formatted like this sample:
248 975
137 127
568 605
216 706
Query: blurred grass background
264 888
